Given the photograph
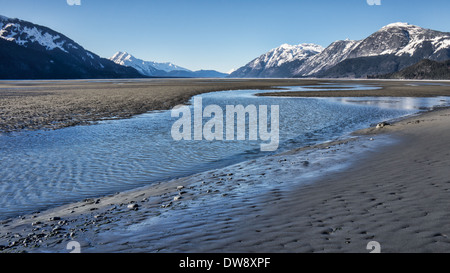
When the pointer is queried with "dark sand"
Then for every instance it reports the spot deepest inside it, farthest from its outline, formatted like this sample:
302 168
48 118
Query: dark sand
32 105
387 89
397 196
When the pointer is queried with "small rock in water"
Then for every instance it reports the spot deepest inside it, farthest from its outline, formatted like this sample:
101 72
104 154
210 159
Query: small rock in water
176 198
179 188
55 218
133 206
382 125
57 228
305 163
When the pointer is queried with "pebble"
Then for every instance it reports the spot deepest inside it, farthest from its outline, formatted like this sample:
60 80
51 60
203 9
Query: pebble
382 125
89 201
180 188
133 206
57 228
55 218
176 198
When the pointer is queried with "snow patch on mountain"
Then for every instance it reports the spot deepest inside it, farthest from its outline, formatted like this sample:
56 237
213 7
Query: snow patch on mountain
397 24
283 54
327 58
44 39
22 35
410 39
89 55
441 43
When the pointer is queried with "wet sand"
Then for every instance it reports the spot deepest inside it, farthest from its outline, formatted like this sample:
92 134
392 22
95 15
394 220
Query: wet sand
386 89
32 105
395 193
398 197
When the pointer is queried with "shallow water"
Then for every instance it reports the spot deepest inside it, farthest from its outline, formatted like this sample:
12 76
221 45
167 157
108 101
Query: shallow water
42 169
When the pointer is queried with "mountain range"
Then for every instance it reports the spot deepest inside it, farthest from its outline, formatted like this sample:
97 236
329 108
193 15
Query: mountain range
390 49
30 51
155 69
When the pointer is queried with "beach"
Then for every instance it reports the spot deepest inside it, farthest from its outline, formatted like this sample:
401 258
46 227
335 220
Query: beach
392 188
33 105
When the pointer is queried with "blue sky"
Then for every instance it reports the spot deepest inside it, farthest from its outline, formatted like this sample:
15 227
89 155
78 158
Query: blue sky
219 34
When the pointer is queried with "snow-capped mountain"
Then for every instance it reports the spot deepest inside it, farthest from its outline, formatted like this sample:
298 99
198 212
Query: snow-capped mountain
329 57
154 69
402 39
278 62
145 67
33 51
390 49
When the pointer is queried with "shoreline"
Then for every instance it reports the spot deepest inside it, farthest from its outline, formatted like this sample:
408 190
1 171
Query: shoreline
51 105
88 219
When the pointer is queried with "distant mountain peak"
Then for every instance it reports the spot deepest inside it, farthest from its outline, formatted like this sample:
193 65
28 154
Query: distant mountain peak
399 24
276 58
148 68
155 69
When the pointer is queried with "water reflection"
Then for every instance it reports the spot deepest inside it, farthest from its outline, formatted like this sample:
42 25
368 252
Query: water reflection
397 103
